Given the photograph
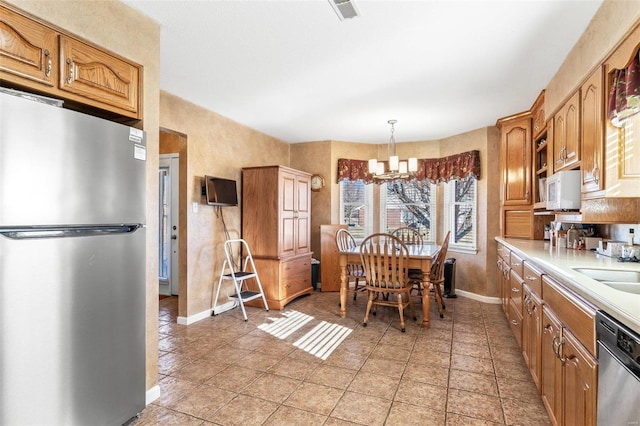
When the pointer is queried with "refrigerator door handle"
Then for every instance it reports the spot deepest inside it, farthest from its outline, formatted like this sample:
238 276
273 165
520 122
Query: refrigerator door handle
66 231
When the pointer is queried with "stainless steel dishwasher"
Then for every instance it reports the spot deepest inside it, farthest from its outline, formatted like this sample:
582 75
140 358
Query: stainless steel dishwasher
618 373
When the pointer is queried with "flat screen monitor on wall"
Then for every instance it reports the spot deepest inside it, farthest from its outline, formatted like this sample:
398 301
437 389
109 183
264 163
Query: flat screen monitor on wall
220 192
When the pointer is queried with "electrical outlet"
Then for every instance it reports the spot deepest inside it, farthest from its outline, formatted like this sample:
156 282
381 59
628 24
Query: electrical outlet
195 207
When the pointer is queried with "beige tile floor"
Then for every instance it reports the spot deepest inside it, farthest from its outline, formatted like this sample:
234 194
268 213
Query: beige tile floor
465 370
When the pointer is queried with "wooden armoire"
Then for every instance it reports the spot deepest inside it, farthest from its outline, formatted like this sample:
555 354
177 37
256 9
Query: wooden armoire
276 223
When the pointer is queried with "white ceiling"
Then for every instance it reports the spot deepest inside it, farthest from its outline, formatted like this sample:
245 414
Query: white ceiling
293 70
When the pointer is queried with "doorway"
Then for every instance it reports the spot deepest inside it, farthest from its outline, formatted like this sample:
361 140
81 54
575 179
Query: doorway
168 177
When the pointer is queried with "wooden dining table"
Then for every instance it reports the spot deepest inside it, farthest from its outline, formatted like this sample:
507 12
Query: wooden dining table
420 257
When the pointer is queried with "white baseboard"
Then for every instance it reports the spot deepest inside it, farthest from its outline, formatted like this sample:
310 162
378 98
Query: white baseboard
152 394
479 298
205 314
194 318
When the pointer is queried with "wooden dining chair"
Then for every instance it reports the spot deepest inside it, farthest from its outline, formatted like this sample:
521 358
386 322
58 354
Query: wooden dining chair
408 235
435 280
385 258
355 271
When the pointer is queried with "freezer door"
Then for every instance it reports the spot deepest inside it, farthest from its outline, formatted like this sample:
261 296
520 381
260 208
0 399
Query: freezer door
62 167
72 318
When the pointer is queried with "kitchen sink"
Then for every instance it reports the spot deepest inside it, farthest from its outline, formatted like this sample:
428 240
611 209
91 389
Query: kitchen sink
633 288
613 276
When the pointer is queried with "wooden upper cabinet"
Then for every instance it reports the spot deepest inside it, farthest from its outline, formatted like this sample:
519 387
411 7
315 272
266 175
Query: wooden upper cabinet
98 75
516 159
566 137
38 56
538 116
622 167
276 220
28 51
591 132
295 215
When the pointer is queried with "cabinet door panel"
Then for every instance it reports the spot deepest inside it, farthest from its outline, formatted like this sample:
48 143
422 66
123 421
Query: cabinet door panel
591 132
580 375
566 135
303 213
572 139
516 154
288 219
97 75
551 369
28 50
532 333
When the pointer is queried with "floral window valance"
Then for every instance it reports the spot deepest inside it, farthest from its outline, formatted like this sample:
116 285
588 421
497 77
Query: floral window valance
453 167
624 96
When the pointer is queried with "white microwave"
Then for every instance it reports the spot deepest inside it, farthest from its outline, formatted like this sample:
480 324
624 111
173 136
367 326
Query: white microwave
563 190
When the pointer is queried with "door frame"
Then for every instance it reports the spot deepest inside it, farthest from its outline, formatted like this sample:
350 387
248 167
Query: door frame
171 161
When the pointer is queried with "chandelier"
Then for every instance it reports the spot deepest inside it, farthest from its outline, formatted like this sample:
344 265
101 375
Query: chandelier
397 169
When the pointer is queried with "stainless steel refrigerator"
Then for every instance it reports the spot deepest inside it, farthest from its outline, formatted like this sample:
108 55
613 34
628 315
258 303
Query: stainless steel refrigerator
72 267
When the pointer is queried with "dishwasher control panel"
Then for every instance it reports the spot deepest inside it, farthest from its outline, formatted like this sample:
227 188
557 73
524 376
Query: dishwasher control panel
628 345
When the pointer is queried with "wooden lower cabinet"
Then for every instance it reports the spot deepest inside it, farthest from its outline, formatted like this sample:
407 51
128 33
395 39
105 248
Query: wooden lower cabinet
569 373
551 368
556 332
579 379
532 333
283 279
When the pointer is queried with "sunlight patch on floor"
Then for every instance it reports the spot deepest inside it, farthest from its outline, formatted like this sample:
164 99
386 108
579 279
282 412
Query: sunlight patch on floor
323 339
284 327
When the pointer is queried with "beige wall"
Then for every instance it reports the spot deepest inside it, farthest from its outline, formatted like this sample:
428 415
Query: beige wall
113 25
215 146
315 158
614 19
475 272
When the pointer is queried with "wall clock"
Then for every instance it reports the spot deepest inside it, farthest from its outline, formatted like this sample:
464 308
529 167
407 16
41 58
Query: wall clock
317 182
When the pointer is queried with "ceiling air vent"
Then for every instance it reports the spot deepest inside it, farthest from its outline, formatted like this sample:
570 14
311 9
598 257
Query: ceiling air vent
345 9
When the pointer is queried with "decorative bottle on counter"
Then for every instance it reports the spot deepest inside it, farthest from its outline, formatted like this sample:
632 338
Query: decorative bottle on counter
572 237
631 235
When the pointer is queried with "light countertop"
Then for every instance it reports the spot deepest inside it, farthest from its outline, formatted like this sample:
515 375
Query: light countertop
560 264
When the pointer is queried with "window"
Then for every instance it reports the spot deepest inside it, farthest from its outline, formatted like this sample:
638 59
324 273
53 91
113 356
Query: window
356 200
408 204
460 205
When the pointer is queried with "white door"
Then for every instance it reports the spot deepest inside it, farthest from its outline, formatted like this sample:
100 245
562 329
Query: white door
168 219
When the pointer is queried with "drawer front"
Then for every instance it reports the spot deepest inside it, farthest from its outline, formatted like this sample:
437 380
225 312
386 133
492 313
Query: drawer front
295 275
575 314
515 322
515 291
504 252
516 264
532 278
